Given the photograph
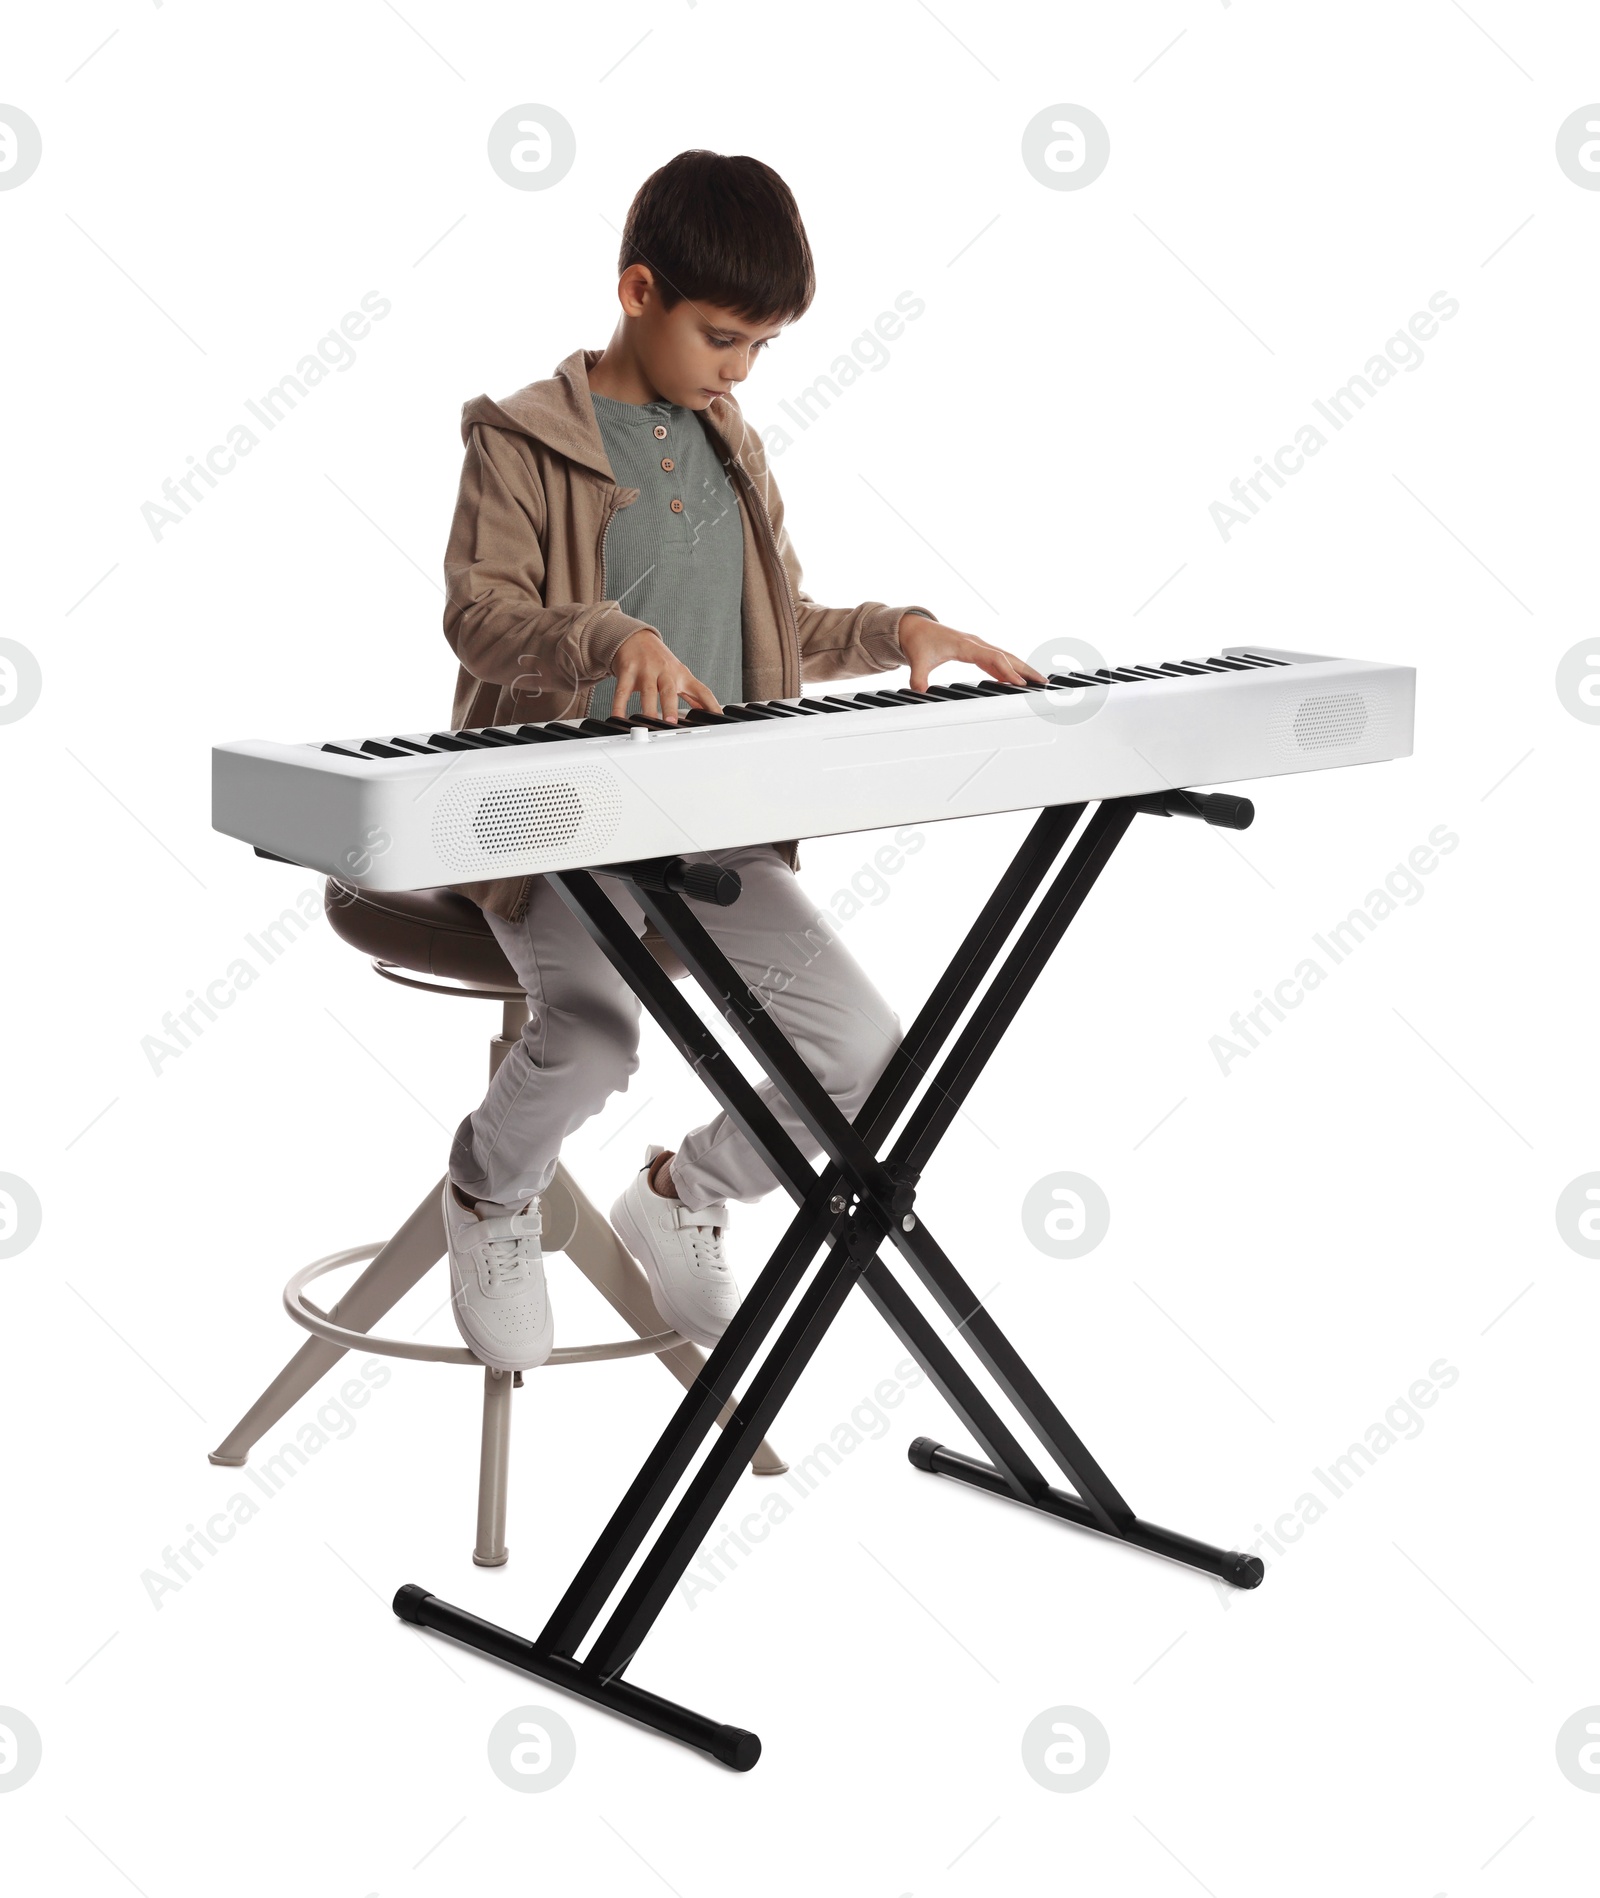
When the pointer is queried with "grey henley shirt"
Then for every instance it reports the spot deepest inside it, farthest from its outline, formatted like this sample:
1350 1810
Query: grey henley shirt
675 557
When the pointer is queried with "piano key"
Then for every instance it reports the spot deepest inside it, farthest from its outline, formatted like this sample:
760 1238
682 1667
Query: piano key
1264 661
698 715
650 724
381 750
456 741
541 734
778 708
344 751
493 737
596 728
749 714
844 704
415 745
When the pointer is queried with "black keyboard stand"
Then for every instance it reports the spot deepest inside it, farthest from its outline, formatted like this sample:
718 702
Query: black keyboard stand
859 1201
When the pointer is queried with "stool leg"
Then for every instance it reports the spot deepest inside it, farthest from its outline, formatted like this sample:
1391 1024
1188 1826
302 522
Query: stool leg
493 1461
414 1248
513 1018
575 1226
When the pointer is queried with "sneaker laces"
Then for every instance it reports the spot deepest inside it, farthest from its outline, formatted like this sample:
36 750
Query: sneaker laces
505 1262
705 1240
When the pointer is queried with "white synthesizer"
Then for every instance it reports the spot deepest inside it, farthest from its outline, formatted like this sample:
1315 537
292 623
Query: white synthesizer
423 809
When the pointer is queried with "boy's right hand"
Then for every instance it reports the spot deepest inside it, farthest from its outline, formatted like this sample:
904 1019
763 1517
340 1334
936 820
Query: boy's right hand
646 664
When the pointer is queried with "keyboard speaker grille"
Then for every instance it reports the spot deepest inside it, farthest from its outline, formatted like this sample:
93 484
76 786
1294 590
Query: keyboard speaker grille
568 816
1335 719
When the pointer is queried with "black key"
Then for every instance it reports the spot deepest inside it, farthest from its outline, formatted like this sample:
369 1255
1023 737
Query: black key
748 714
596 728
491 737
942 694
795 708
415 745
843 704
458 741
1146 672
1260 661
879 701
961 690
698 715
1230 665
381 751
538 734
998 689
343 751
650 724
778 709
1185 671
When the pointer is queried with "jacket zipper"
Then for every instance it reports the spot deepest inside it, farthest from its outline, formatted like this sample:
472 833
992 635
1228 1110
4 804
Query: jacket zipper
605 529
792 686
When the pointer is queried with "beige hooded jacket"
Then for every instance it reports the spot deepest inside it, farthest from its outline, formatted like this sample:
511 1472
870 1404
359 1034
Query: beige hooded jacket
526 611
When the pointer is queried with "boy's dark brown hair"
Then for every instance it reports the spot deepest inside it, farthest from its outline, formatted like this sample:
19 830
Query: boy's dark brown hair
724 231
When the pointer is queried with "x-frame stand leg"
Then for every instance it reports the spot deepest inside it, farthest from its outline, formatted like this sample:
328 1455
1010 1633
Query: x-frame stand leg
848 1209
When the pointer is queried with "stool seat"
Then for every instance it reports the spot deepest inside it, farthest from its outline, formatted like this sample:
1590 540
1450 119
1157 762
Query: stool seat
431 932
438 933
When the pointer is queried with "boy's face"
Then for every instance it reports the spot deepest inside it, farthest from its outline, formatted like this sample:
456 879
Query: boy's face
693 352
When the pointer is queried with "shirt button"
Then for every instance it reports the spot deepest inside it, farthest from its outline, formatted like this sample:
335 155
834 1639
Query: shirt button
659 432
677 507
668 463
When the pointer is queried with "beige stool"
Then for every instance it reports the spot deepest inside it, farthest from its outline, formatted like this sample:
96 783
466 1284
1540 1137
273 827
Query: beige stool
438 935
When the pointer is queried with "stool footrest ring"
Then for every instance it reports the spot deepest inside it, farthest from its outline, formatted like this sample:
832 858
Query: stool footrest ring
314 1319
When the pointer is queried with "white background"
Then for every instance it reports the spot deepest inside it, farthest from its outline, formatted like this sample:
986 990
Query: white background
1298 1241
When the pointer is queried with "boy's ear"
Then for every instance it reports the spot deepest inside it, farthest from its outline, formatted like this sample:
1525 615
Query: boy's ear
635 287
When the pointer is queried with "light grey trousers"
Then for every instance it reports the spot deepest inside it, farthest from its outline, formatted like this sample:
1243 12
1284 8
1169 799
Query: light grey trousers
581 1042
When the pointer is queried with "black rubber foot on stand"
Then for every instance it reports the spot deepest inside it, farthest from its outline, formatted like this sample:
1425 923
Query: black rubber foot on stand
1246 1571
407 1600
919 1452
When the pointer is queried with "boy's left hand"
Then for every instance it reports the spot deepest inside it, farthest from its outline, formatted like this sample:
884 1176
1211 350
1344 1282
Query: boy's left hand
926 644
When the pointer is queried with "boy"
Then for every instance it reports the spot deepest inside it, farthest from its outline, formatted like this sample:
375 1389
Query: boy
619 544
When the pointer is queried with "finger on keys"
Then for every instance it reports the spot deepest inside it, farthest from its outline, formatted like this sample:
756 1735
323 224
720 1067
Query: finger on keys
697 692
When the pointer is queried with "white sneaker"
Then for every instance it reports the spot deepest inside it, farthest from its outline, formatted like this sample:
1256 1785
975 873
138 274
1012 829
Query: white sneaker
497 1289
682 1254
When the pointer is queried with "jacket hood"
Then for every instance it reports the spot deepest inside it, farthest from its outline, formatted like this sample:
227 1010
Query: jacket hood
557 411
